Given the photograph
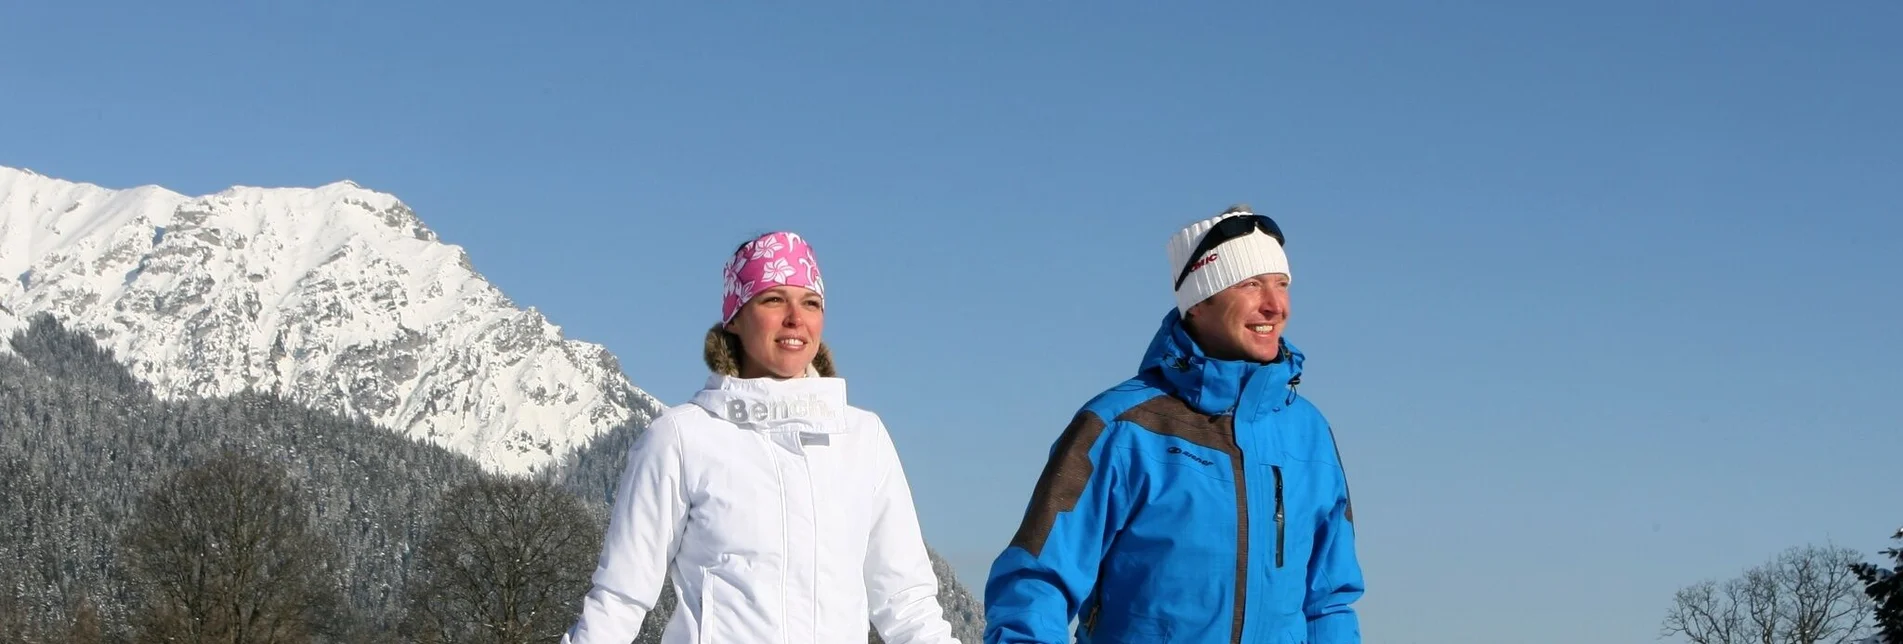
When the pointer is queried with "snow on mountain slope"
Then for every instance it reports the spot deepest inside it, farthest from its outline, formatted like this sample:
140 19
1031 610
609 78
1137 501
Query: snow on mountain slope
337 296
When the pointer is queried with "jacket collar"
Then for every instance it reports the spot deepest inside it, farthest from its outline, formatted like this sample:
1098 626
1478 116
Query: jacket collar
811 405
1211 386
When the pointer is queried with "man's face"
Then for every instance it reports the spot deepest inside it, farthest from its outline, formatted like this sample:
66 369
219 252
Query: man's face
1243 322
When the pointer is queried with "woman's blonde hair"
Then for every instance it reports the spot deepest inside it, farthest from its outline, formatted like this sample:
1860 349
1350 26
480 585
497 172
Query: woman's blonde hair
724 354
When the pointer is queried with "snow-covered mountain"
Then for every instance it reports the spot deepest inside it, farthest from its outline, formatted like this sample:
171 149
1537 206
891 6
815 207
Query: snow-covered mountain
336 296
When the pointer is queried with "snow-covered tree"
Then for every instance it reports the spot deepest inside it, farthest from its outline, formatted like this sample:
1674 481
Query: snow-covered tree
81 441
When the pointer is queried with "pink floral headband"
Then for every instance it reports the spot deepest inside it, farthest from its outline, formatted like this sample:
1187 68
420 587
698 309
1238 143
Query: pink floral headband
775 259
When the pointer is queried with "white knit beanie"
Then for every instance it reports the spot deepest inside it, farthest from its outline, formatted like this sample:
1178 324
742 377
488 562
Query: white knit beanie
1224 266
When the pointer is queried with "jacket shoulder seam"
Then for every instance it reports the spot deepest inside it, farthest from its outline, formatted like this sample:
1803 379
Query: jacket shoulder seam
1069 469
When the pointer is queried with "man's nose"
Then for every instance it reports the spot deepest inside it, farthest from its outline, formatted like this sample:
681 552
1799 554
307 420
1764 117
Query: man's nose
1274 304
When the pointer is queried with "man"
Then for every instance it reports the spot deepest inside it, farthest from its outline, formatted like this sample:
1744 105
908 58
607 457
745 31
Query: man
1203 500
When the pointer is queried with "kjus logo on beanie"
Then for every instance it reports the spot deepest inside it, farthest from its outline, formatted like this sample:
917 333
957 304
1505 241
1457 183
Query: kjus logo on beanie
1205 261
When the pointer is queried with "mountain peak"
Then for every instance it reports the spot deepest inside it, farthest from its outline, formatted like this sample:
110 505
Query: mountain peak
337 296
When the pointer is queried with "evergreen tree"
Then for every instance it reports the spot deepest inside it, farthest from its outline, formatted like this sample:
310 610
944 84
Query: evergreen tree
1885 588
80 441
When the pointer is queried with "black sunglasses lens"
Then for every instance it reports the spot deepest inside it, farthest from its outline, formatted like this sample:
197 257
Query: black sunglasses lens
1268 226
1234 227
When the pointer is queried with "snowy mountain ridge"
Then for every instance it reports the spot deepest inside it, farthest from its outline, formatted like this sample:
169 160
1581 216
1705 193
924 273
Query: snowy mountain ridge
336 296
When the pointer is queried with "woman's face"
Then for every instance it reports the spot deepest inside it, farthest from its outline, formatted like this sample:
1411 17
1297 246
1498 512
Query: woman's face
780 331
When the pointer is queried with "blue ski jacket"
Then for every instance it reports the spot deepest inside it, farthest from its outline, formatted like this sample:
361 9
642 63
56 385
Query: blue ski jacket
1202 501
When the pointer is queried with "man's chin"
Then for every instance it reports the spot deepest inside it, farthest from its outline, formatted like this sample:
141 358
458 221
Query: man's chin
1269 351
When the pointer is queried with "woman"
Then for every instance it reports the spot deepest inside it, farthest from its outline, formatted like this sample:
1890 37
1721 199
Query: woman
780 512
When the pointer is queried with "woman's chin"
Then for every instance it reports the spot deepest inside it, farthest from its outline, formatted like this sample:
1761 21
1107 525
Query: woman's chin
791 365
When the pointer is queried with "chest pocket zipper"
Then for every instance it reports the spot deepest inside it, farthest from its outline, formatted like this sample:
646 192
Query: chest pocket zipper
1281 521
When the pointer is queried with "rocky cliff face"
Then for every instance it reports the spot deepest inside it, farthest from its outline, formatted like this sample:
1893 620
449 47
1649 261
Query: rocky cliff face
336 296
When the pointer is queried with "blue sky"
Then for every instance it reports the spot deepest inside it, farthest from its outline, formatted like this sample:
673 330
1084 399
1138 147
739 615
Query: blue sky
1602 300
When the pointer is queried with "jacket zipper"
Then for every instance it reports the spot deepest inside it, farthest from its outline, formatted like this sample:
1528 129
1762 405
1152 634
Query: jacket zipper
1090 619
1280 521
812 506
1242 534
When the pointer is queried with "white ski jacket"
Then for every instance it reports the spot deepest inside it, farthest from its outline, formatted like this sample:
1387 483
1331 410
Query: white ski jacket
782 515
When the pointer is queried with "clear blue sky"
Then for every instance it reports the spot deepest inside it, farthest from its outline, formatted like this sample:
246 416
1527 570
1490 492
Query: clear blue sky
1602 300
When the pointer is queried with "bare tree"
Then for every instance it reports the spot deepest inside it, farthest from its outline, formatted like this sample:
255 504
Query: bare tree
507 562
85 628
223 552
1805 595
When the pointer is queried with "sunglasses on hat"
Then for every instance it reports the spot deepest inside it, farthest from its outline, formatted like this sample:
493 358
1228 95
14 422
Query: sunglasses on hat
1225 230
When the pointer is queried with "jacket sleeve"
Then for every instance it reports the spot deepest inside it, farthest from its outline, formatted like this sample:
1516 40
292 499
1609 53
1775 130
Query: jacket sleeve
1040 581
644 535
901 589
1334 574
